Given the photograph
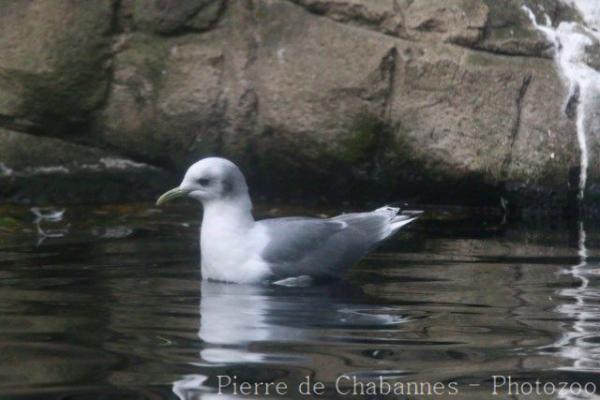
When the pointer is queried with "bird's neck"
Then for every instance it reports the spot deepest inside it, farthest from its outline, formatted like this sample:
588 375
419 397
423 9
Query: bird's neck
225 235
228 214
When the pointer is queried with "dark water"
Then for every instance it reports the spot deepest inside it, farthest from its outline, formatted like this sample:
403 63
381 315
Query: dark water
104 303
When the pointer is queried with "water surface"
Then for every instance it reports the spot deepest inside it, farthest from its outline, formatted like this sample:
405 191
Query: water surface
107 302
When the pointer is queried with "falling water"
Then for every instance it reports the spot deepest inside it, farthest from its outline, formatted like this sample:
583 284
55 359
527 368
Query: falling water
570 41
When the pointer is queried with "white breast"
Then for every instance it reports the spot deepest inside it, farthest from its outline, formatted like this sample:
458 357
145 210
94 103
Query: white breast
232 254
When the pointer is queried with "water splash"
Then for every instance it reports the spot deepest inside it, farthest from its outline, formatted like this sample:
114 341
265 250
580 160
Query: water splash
571 41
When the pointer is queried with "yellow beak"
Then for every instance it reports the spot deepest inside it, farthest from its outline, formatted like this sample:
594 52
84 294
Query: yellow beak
170 195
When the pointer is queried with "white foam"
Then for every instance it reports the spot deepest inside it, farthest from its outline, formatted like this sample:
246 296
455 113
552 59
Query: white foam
570 41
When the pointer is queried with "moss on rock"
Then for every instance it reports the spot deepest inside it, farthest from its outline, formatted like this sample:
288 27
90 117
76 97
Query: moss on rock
365 141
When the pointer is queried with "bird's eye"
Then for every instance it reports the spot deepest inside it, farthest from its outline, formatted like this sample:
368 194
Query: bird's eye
203 181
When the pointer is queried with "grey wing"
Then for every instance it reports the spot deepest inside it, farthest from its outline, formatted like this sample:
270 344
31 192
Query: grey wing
292 239
371 225
317 247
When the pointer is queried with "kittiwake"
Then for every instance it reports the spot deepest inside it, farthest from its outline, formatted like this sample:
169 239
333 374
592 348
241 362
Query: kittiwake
236 248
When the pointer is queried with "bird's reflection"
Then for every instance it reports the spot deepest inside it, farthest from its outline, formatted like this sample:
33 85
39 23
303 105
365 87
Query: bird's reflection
234 317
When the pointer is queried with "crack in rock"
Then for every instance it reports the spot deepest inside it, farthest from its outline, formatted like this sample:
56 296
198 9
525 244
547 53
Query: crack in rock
514 133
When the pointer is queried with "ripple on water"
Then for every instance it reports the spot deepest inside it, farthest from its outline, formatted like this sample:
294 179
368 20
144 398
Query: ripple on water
116 307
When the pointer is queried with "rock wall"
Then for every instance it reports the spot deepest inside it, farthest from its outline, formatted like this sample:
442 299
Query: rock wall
444 101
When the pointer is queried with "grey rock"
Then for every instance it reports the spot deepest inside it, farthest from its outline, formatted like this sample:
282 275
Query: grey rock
171 16
54 63
343 98
39 170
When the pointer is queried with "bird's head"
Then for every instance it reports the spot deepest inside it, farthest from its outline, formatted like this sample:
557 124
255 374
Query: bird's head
209 179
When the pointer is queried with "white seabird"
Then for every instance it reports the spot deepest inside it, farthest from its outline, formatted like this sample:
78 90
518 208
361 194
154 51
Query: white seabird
236 248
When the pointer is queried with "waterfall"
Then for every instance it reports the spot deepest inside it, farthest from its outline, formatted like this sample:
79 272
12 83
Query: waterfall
589 10
571 41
